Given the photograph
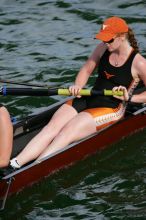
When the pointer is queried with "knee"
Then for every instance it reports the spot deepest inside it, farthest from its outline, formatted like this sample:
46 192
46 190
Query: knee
1 114
5 117
3 110
4 114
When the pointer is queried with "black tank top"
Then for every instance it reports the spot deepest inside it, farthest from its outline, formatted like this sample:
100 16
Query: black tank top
110 76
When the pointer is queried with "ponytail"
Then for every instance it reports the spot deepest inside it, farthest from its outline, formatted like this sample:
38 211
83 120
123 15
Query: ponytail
132 40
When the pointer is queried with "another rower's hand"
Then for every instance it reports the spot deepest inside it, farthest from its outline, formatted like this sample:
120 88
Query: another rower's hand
75 90
125 96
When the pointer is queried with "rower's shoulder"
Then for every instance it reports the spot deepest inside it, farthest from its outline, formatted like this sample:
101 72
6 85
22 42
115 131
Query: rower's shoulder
139 65
99 50
139 59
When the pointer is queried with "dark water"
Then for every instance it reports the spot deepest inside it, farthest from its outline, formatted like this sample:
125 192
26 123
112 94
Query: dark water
47 42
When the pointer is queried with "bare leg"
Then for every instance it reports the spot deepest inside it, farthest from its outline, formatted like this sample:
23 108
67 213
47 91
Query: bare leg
38 144
79 127
6 137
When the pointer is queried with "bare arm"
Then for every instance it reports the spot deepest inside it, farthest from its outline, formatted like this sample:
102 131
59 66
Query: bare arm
139 67
140 98
87 69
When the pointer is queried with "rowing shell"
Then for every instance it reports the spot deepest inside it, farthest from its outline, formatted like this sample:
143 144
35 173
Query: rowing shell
134 121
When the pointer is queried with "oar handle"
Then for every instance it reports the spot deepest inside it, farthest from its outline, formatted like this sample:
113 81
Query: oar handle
83 92
111 93
88 92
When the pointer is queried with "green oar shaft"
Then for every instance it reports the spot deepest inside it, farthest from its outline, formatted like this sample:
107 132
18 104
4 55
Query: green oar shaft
49 92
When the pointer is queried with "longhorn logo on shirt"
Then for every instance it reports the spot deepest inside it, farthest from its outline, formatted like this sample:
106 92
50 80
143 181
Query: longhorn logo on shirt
108 75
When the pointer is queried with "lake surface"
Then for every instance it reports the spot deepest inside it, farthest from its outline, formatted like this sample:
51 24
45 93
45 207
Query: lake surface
47 42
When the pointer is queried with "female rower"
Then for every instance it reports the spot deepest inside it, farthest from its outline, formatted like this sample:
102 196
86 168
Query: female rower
6 137
120 67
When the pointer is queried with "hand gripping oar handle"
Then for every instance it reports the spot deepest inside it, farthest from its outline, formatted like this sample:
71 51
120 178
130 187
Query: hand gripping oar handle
115 93
88 92
49 92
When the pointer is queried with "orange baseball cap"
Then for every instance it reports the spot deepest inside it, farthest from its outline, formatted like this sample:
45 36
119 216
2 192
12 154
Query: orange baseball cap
111 27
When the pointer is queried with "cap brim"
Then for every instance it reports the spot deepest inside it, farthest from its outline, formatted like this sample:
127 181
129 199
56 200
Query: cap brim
104 36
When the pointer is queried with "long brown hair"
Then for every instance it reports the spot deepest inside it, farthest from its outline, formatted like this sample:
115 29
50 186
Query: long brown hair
132 40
